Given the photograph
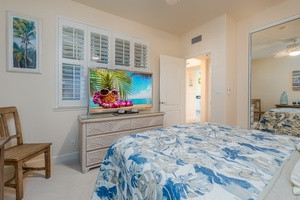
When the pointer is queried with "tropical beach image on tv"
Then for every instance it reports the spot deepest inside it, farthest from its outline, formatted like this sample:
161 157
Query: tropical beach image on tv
111 90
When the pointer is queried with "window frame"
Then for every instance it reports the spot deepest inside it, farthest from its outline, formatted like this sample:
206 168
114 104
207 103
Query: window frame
124 38
70 103
110 45
146 43
88 63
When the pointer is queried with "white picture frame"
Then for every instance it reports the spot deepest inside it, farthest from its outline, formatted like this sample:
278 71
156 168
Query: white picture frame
23 43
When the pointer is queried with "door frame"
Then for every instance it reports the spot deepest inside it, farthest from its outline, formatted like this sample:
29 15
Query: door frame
210 79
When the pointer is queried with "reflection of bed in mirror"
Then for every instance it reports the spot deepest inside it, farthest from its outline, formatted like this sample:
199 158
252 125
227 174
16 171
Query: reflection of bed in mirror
271 66
281 121
200 161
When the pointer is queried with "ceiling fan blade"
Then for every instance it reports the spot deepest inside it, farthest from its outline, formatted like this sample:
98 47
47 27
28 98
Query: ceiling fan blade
293 47
281 54
289 48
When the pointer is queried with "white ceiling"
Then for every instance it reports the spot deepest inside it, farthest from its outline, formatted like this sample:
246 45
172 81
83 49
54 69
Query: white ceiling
268 42
182 17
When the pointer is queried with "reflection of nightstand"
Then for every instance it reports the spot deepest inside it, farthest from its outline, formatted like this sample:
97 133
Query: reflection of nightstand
287 106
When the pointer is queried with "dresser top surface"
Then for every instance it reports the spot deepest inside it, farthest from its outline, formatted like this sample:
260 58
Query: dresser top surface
116 116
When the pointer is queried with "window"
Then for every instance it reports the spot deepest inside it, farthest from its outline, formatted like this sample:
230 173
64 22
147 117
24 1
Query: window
99 47
72 64
82 46
141 55
122 51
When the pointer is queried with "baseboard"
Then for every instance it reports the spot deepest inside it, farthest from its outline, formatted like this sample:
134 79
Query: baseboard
65 157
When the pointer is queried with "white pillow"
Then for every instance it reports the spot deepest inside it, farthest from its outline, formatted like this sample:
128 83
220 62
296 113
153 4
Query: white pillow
295 178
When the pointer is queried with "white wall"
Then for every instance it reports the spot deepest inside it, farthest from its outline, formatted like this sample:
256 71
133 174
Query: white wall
272 76
213 40
216 39
205 90
231 71
277 13
34 94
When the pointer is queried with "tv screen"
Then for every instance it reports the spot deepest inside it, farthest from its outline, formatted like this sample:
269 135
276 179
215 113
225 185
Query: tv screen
111 90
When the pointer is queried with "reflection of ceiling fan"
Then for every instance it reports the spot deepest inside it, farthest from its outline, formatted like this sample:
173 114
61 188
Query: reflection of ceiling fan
291 49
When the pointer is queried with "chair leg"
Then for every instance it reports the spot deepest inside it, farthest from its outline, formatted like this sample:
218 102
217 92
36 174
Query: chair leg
19 180
47 163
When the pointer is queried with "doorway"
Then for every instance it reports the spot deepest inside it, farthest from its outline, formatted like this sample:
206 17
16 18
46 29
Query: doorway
198 88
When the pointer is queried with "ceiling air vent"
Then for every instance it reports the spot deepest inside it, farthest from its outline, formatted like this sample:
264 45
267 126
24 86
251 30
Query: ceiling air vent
196 39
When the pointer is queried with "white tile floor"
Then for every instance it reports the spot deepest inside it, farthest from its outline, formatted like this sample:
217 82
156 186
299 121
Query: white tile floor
66 183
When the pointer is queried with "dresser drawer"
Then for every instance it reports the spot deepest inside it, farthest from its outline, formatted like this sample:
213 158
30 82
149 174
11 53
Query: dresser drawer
145 129
107 127
95 157
98 132
102 141
146 122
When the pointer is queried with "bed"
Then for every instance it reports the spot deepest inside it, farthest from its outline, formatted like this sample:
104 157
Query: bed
281 120
206 161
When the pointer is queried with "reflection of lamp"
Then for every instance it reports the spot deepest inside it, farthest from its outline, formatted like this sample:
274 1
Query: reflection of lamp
293 49
172 2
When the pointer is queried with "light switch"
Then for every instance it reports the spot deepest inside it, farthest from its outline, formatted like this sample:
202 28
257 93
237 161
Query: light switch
228 90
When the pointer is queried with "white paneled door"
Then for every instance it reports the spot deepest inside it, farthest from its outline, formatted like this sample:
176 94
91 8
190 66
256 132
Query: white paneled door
172 90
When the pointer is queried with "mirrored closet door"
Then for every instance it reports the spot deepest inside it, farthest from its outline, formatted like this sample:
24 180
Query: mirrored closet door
274 59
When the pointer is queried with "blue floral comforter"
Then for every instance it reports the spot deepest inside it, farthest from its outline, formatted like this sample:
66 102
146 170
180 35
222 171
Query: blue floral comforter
195 161
281 120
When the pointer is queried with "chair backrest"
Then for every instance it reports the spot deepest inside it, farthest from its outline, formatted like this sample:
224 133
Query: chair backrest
257 105
10 124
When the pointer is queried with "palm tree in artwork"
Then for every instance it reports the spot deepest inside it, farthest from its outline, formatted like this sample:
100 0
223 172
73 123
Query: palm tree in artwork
19 54
26 31
111 80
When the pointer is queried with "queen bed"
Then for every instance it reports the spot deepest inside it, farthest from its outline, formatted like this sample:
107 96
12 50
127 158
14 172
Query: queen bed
206 161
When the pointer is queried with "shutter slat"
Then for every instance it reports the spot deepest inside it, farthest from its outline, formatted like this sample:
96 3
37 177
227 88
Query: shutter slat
73 43
99 48
122 52
72 82
140 55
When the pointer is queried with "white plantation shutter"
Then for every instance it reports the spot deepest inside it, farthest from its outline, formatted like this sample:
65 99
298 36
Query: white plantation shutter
73 82
73 43
122 52
81 46
99 47
72 64
140 55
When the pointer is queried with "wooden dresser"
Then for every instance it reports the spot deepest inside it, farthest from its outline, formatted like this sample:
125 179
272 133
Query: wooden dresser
99 131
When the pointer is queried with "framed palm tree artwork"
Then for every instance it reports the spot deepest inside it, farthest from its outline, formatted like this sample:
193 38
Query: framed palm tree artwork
24 43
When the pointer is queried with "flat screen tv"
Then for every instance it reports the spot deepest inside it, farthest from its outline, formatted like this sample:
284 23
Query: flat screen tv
112 90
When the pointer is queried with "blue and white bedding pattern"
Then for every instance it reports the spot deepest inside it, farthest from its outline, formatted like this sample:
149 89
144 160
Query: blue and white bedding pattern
203 161
281 120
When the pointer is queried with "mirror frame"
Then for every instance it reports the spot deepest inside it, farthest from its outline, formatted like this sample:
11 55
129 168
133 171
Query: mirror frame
295 17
